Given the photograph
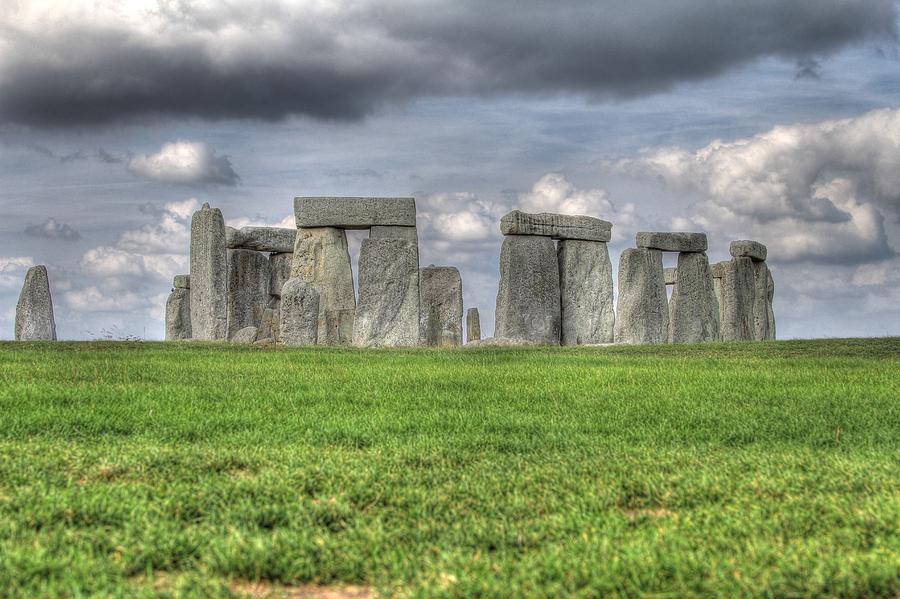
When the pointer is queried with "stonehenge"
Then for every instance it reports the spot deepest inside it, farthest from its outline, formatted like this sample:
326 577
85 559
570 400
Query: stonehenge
296 287
34 310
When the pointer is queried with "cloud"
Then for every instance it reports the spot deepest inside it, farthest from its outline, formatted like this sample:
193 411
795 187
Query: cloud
12 271
99 61
185 163
817 191
50 229
99 155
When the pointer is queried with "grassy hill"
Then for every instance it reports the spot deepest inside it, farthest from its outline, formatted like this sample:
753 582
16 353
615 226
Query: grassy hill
132 469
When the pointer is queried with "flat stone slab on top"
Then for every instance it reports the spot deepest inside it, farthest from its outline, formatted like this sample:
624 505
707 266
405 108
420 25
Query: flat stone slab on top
354 212
557 226
745 248
672 242
261 239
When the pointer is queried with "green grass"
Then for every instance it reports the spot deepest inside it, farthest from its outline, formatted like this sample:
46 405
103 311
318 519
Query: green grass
135 469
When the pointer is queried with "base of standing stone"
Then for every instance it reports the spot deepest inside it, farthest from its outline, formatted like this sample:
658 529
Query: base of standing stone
34 310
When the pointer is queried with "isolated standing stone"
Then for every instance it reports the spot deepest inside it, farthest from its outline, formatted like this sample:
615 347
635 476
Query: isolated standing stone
760 310
737 300
34 311
279 271
694 311
299 323
248 288
586 292
178 313
354 213
672 242
261 239
770 294
388 311
642 314
322 260
528 305
473 325
441 306
209 271
557 226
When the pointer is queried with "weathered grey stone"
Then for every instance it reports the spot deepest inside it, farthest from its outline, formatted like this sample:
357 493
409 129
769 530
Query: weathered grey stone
669 275
392 232
760 309
737 300
586 292
299 324
34 311
473 325
279 271
642 311
248 288
354 213
502 342
261 239
322 260
720 268
672 242
770 295
244 335
388 311
694 310
749 249
209 275
441 306
557 226
182 282
528 305
270 325
178 314
718 271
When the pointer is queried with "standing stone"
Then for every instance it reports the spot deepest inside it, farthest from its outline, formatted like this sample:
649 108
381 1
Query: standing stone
642 312
248 288
670 274
694 314
760 309
718 272
209 271
770 294
279 271
34 311
322 260
528 305
441 304
270 325
388 311
299 323
178 311
473 325
737 300
586 292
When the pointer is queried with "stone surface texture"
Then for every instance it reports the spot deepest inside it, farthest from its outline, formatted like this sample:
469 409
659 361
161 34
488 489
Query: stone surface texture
182 282
387 314
694 310
248 288
34 310
270 324
391 232
261 239
760 309
209 272
244 335
669 275
279 271
745 248
473 325
321 259
441 306
528 300
737 300
770 294
355 212
672 242
299 313
178 314
557 226
586 292
642 314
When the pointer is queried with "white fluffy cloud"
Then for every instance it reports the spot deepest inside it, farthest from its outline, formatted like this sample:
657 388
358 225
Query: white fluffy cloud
809 191
12 271
185 163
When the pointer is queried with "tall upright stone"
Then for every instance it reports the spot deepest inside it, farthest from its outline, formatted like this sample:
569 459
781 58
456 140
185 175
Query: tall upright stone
473 325
770 294
528 305
642 314
209 271
694 310
299 309
387 314
248 288
760 309
279 271
441 306
178 310
34 311
718 273
586 292
737 300
322 260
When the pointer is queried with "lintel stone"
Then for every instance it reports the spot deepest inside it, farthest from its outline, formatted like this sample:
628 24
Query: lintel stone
745 248
354 212
557 226
672 242
262 239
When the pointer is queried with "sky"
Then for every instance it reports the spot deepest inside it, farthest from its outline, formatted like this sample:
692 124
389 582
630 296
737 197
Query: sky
767 120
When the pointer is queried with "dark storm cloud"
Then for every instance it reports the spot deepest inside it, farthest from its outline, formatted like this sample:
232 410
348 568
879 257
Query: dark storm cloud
275 59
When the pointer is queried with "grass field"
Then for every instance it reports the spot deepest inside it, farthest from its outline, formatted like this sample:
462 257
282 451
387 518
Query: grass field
136 469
